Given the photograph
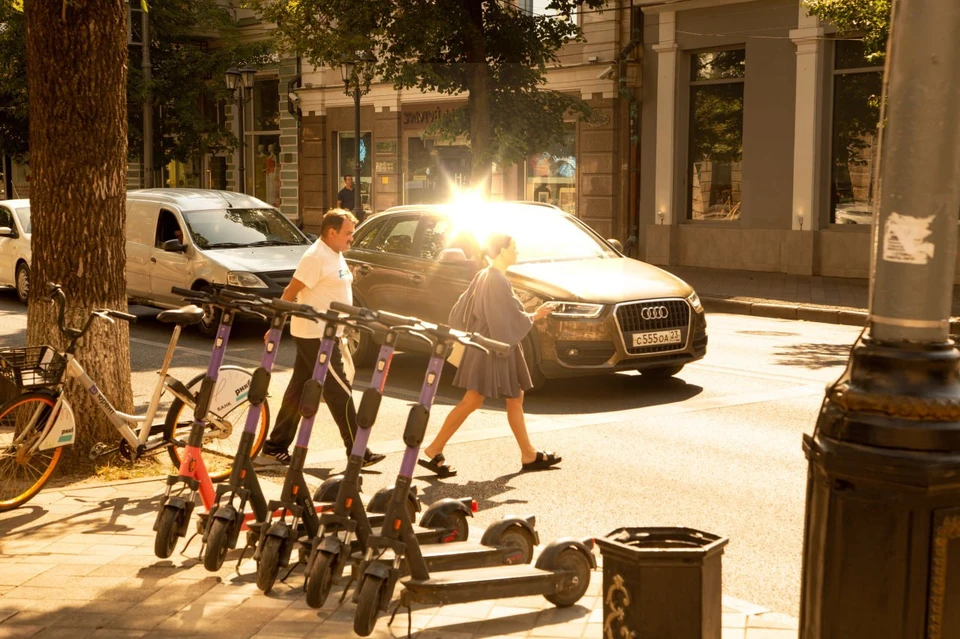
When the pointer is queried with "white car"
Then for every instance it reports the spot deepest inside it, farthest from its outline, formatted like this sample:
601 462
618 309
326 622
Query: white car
15 246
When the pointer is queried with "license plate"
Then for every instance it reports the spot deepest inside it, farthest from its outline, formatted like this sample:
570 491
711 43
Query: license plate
657 338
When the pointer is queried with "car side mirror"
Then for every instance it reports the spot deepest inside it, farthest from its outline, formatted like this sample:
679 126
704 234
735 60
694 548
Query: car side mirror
312 237
174 246
6 231
453 256
615 243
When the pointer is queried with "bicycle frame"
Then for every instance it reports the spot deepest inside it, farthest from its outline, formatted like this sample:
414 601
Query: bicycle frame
60 429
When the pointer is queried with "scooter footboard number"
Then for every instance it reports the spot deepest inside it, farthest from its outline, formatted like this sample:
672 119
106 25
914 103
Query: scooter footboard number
203 398
416 427
310 400
259 386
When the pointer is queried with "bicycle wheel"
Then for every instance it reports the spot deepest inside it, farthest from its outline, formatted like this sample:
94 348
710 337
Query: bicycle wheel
22 473
219 444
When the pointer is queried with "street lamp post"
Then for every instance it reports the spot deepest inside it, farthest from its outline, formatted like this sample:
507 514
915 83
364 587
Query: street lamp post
350 71
881 552
240 83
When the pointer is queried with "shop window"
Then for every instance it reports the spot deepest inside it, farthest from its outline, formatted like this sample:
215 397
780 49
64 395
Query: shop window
551 176
263 142
542 8
347 164
182 175
436 170
715 166
857 87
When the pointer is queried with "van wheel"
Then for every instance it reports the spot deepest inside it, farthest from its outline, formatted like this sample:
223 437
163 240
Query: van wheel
211 316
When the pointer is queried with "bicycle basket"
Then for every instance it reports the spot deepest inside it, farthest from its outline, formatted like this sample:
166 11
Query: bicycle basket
28 368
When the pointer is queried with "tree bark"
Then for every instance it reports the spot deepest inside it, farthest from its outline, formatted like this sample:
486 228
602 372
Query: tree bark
76 71
478 99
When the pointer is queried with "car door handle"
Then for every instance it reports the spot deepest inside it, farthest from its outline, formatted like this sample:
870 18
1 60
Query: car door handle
153 259
416 279
363 269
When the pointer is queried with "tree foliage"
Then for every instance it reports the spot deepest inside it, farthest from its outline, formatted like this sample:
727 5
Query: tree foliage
187 78
489 49
871 18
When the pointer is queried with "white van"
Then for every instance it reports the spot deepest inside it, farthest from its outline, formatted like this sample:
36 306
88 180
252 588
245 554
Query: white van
195 238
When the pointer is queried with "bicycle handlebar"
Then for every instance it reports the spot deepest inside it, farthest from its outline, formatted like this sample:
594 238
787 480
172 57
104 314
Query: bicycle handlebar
55 294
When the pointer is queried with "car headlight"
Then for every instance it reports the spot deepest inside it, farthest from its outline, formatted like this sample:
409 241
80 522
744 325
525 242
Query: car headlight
242 279
577 310
694 300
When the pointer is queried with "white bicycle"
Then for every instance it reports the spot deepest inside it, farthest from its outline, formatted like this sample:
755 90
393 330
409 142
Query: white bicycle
39 422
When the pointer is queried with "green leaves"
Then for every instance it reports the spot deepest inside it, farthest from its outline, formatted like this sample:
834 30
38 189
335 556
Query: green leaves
871 18
451 47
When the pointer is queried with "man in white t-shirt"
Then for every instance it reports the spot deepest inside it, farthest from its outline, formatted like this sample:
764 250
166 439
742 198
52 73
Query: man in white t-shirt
321 277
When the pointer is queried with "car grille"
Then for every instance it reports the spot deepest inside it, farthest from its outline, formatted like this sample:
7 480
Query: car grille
278 278
630 320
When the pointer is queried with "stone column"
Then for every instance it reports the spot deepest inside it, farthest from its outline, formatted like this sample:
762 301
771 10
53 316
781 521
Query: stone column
666 119
808 122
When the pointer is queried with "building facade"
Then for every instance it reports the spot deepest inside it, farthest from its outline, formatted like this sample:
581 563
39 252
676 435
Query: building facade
758 139
587 173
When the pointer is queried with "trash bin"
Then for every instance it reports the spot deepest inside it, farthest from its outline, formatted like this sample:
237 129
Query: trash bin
662 582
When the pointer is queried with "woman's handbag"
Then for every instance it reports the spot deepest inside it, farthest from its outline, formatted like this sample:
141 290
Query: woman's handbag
458 320
456 354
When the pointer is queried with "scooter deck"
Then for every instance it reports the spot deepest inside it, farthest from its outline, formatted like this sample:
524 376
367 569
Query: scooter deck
459 556
479 584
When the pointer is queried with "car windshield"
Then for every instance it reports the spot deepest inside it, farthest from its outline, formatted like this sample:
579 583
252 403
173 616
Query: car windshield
241 228
542 235
23 214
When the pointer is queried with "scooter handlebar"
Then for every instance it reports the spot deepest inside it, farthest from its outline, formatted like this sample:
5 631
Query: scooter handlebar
347 309
185 292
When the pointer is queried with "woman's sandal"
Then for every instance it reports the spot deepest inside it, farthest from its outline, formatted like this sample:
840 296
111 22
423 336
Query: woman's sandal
438 466
544 460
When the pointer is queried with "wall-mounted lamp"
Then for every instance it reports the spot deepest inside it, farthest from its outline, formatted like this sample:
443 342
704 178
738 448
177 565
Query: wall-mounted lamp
800 219
659 217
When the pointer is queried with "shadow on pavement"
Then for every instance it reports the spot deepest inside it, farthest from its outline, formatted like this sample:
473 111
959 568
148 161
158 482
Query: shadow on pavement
814 356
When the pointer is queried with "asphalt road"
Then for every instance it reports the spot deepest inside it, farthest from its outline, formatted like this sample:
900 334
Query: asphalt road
718 448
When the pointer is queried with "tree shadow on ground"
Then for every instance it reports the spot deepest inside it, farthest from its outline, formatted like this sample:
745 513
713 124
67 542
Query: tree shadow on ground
813 356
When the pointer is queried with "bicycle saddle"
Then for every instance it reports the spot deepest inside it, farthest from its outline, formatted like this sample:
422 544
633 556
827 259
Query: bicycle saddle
185 316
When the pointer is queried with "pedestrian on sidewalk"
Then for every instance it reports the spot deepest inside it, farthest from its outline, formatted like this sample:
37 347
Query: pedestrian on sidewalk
322 277
490 308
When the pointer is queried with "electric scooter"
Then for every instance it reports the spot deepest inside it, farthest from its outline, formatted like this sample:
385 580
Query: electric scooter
226 516
175 510
562 572
349 528
276 544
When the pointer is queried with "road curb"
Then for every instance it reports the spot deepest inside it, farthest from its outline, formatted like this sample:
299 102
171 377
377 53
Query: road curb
785 311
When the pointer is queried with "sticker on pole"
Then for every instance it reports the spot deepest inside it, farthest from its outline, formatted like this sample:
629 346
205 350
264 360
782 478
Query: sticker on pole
905 239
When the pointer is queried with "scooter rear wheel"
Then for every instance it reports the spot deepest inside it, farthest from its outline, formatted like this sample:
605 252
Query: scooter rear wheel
217 545
517 537
166 540
573 561
368 605
269 565
320 579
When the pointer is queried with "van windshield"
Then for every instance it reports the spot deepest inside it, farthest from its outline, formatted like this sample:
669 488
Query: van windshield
240 228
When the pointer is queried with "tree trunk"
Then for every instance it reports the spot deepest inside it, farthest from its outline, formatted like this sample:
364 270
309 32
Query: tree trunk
478 99
76 71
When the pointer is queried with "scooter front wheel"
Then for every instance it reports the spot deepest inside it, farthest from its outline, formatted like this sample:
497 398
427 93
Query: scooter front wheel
575 585
320 579
217 545
368 605
166 540
269 565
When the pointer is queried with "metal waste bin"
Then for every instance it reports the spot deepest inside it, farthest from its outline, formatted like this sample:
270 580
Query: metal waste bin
662 582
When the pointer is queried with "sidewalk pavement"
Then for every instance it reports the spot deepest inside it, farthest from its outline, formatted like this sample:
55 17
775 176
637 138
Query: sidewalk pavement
78 562
832 300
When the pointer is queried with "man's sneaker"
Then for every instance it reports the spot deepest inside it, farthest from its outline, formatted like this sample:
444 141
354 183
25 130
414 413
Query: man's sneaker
272 459
370 458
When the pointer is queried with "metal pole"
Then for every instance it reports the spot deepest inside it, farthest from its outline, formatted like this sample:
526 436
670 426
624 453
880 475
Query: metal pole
883 499
241 161
357 204
147 68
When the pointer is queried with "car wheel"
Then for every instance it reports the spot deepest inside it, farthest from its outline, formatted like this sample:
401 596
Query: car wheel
23 282
533 364
661 372
210 323
362 347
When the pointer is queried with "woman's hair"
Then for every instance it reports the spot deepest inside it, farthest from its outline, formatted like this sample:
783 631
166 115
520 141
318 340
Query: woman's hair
496 243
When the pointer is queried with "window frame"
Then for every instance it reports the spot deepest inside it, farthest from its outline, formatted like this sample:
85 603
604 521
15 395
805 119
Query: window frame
691 86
